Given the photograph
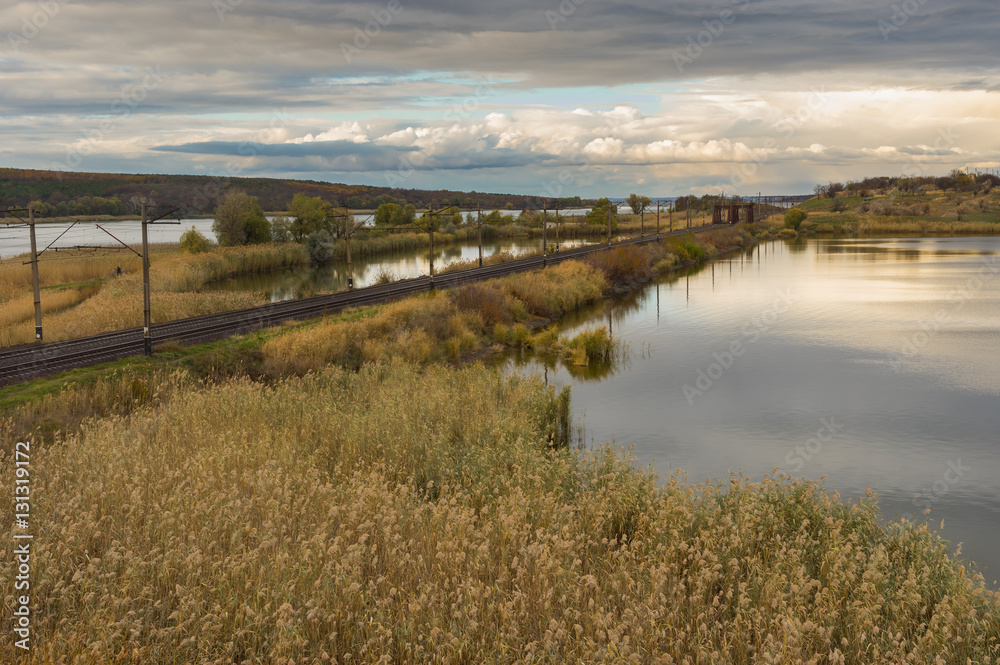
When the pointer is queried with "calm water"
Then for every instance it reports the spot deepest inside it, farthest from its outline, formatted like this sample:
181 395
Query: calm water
14 241
288 284
875 362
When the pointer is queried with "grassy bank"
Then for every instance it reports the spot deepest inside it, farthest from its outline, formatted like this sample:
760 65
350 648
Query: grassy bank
931 213
422 516
445 326
248 502
115 302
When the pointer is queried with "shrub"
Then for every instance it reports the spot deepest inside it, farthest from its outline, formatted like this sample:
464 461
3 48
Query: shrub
487 300
794 218
194 242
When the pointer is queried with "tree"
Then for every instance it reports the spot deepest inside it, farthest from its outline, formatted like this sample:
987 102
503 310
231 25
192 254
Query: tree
312 215
239 220
386 214
637 203
794 218
194 242
281 229
392 214
839 203
599 214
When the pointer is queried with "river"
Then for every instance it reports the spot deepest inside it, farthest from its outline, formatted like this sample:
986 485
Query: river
873 362
330 277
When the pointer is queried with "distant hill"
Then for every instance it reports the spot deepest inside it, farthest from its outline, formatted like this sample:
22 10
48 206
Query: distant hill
71 193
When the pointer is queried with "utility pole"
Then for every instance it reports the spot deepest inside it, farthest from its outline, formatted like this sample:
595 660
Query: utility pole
557 226
479 226
348 224
545 234
430 228
657 220
34 274
672 216
609 225
147 319
642 221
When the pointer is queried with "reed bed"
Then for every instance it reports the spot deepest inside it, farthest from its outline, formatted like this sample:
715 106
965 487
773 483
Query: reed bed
174 279
190 272
437 326
17 318
872 225
118 306
67 267
492 260
406 516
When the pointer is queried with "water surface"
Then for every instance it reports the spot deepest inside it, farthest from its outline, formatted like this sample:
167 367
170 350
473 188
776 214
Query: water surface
874 362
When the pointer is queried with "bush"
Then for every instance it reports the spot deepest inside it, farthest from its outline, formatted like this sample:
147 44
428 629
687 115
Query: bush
281 229
320 247
794 218
239 220
194 242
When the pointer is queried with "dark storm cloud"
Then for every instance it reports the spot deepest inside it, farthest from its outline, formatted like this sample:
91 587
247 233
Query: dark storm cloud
294 48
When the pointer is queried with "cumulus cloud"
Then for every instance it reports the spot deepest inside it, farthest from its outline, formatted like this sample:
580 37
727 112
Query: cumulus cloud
676 95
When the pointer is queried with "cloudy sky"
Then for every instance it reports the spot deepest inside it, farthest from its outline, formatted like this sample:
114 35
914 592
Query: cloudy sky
588 97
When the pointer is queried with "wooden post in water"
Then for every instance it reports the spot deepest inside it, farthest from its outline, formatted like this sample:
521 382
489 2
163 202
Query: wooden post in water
34 274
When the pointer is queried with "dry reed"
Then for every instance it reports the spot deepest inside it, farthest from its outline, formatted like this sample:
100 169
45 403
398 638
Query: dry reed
406 516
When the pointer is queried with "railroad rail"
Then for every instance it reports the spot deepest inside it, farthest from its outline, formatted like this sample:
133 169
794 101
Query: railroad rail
30 361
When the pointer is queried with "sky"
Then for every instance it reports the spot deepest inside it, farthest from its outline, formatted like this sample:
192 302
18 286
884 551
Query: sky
550 98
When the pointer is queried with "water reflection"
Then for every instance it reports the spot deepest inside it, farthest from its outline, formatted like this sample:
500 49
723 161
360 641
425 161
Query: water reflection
331 277
894 341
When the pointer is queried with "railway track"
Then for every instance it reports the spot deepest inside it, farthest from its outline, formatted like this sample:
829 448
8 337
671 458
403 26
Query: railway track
26 362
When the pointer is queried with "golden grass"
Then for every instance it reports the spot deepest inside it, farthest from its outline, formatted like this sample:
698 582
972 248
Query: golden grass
174 280
436 326
407 516
491 260
881 225
17 318
67 267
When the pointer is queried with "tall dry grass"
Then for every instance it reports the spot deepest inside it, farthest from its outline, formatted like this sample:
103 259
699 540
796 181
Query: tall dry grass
174 280
69 267
875 225
406 516
438 326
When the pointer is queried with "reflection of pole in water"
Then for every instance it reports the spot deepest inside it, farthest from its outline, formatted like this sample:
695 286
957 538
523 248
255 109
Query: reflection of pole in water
611 328
688 280
657 303
713 276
